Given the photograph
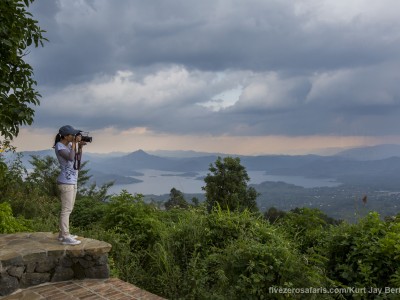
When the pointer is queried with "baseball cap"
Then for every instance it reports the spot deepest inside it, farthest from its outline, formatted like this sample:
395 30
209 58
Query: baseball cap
68 129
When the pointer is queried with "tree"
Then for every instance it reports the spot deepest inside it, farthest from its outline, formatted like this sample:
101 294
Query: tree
18 30
273 214
176 200
227 186
12 170
44 174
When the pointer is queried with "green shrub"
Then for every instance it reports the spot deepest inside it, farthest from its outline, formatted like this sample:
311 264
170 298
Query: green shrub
366 254
8 223
87 212
124 263
31 203
129 214
225 255
306 226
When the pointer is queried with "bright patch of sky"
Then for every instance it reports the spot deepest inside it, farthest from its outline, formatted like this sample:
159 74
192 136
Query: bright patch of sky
223 100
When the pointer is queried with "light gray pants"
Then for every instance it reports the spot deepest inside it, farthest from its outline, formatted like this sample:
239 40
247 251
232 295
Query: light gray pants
68 195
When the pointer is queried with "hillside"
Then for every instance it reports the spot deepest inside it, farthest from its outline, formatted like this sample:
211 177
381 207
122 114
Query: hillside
383 173
377 178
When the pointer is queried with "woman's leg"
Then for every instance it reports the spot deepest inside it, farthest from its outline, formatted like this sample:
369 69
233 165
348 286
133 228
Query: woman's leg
67 195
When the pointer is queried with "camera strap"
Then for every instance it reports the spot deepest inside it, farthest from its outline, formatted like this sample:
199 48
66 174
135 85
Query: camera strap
78 157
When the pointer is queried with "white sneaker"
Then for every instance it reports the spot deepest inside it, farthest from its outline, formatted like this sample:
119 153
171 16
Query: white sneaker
73 236
70 241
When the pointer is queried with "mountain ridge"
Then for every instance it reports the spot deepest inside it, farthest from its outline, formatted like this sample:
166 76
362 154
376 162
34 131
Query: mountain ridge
346 166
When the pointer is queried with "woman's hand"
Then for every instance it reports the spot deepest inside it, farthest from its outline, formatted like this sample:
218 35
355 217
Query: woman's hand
78 140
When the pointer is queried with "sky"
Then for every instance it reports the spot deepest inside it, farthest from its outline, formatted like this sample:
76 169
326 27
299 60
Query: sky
241 77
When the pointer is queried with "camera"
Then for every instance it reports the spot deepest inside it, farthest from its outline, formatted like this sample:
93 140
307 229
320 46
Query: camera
85 137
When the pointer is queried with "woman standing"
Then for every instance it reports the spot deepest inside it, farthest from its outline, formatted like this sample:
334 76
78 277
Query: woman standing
67 146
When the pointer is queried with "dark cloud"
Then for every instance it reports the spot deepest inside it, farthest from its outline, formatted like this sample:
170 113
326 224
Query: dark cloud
304 67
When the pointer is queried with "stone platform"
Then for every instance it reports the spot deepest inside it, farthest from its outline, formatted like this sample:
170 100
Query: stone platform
28 259
36 266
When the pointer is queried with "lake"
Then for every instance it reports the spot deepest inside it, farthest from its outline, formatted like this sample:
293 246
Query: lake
161 182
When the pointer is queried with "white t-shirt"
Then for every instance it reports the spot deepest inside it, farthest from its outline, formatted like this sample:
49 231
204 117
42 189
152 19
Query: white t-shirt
68 174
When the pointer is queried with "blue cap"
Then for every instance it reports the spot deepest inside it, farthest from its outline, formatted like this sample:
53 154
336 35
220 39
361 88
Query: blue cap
68 129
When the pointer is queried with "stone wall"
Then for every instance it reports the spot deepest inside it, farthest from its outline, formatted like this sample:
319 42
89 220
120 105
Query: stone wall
28 259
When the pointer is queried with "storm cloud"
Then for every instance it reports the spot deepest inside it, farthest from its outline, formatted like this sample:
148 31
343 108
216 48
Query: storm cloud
220 67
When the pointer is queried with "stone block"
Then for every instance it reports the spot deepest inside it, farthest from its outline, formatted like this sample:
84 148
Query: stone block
62 274
29 279
86 263
31 255
102 260
30 267
10 258
45 266
65 261
16 271
79 271
98 272
8 284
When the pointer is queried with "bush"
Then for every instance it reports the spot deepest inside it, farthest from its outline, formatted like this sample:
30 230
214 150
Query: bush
225 255
9 224
87 212
365 254
306 226
129 214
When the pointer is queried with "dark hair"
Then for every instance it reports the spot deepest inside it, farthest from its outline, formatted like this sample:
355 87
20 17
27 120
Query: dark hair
58 138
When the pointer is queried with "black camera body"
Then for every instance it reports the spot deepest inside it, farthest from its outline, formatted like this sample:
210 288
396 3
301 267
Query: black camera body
85 137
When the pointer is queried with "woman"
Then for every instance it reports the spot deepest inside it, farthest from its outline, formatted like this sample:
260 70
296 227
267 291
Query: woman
68 146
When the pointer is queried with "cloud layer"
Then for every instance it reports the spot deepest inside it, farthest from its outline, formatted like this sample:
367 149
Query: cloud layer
220 67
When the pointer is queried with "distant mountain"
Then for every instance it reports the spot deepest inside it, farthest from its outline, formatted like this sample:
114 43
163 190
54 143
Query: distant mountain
346 167
372 171
183 153
137 160
372 152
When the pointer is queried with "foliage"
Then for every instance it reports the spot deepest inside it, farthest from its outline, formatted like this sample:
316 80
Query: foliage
18 31
9 224
176 200
306 226
196 253
45 171
364 254
129 214
11 172
87 212
273 214
95 192
226 186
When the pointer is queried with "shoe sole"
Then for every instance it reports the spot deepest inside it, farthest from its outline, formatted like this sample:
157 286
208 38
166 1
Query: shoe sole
74 237
71 244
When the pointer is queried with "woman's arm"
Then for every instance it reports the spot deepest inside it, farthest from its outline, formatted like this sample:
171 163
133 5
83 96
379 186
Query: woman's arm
67 154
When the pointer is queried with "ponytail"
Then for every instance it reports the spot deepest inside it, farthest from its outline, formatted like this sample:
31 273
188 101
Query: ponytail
57 139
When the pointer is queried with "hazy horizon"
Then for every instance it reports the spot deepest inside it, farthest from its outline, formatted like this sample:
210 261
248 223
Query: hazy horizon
194 153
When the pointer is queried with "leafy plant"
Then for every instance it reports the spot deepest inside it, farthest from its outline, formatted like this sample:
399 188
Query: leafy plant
364 254
18 31
129 214
88 211
226 186
176 200
8 223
